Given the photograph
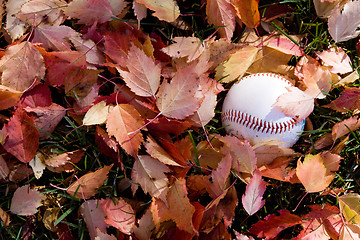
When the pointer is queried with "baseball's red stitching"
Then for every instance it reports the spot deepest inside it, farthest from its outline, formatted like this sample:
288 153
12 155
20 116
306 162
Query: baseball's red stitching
257 124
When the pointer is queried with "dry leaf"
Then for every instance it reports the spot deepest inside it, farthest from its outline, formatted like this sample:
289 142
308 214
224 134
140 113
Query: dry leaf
166 10
221 14
94 217
248 12
122 121
25 201
86 186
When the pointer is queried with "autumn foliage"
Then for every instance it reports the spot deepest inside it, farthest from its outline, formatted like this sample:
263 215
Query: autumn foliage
140 96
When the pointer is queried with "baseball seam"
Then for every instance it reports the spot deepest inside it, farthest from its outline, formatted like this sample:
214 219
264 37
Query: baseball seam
257 124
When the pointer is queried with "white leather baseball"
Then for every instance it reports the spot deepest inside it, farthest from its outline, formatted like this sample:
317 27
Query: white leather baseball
248 111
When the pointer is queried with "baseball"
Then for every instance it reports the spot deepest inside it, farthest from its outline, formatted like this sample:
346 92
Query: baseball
247 111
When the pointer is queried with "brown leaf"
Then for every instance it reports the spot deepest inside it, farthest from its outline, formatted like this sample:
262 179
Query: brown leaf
86 186
150 174
94 217
21 66
190 47
8 97
5 218
180 210
164 10
266 153
121 122
156 151
177 98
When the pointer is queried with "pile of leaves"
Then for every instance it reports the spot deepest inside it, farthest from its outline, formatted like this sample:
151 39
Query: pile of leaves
110 120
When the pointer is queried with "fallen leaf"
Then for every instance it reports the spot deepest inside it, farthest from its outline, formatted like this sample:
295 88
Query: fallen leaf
25 201
266 153
86 186
165 10
37 166
89 11
219 178
348 101
337 59
176 99
243 155
252 199
94 217
279 169
143 75
342 25
5 218
15 27
97 114
145 225
46 118
4 169
221 14
22 66
272 224
122 121
237 65
150 174
8 97
156 151
315 172
352 77
119 214
349 231
23 137
179 208
295 103
140 11
39 96
324 8
344 127
35 12
190 47
248 12
284 45
350 208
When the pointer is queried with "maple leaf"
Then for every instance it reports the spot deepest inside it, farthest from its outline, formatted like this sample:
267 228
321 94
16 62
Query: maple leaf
248 12
119 214
123 120
94 217
252 199
166 10
337 59
176 99
150 174
23 137
315 172
348 101
35 12
342 25
89 11
25 201
179 208
272 225
86 186
22 66
143 77
236 66
344 127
